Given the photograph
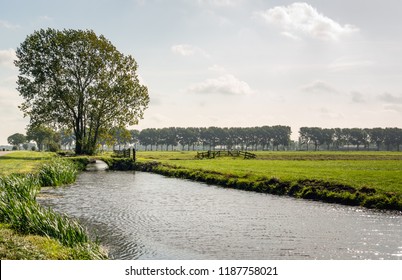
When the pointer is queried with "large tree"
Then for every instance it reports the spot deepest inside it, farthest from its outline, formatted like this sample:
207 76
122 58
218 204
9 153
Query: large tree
17 139
45 137
74 79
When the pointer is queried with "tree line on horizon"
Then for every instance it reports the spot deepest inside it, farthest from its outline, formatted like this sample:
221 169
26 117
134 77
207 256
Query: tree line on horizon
389 138
243 138
210 138
271 138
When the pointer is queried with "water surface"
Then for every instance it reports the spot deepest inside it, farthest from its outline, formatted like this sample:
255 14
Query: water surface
140 215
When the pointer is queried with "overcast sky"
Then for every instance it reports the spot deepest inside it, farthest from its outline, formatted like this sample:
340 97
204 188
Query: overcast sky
234 62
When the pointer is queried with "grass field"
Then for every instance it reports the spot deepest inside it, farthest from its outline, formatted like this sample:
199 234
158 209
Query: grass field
23 162
379 170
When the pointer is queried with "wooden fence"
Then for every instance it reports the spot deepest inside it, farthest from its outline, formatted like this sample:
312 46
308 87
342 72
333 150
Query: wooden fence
214 154
126 153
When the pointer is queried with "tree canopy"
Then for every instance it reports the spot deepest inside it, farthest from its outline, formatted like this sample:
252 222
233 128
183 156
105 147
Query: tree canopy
74 79
45 137
17 139
268 138
391 137
265 137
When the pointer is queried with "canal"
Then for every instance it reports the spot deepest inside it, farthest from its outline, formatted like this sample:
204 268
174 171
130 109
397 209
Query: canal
138 215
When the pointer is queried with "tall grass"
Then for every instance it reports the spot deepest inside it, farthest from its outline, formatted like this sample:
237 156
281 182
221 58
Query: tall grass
28 217
19 187
18 207
57 172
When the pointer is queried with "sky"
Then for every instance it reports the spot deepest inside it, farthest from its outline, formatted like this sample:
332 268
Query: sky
233 63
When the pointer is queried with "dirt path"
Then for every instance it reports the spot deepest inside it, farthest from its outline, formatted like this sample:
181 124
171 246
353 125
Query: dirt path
4 153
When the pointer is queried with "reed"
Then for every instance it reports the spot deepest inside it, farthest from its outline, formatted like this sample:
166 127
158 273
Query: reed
19 209
57 172
28 217
20 187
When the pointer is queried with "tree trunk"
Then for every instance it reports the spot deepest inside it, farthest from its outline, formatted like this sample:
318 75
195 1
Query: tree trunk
78 143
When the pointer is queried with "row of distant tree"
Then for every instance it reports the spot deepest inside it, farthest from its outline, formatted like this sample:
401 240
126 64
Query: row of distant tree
208 138
359 138
264 137
271 138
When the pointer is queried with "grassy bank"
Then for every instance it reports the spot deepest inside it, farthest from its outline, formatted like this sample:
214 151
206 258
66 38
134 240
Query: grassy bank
23 162
17 246
22 217
369 179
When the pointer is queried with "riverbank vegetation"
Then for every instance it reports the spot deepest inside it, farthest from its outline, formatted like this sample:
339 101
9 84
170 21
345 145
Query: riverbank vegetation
18 246
369 179
21 217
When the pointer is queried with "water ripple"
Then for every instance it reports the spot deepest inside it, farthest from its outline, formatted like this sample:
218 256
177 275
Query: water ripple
147 216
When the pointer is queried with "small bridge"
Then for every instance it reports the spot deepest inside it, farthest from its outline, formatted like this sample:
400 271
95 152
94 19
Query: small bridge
214 154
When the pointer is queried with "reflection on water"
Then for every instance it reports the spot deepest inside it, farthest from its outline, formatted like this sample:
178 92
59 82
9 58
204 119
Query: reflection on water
146 216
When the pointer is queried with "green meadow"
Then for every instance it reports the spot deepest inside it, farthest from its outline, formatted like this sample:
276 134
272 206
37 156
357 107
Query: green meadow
22 162
381 171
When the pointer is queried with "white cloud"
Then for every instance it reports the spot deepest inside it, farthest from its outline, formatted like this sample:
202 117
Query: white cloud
226 85
45 18
319 87
357 97
387 97
184 50
7 58
305 19
188 50
290 36
7 25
